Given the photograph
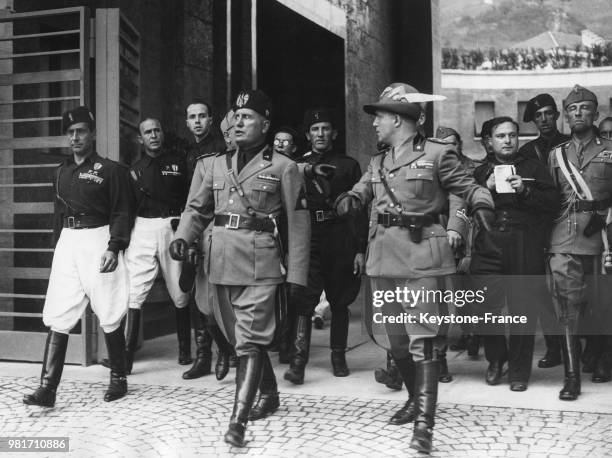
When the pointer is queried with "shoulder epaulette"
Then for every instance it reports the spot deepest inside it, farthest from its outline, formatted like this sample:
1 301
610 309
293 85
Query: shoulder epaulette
223 153
202 156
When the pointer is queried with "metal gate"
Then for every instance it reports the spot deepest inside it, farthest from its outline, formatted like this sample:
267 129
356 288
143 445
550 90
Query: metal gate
45 70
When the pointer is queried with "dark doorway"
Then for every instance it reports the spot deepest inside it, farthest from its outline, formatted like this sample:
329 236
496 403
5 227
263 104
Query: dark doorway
300 65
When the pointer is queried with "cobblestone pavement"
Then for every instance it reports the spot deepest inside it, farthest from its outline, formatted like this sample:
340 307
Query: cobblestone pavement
184 421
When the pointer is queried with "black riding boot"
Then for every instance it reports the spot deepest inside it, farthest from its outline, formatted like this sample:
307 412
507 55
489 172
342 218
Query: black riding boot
268 401
224 351
571 355
203 359
338 336
390 377
426 399
303 328
52 367
131 339
248 378
407 413
115 345
183 332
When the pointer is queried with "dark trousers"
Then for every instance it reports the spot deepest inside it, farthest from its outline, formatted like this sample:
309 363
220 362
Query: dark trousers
509 264
332 251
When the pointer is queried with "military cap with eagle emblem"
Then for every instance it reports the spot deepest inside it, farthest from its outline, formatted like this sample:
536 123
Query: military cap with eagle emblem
255 100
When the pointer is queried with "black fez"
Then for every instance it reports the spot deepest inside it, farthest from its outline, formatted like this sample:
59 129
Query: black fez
315 115
537 103
77 115
255 100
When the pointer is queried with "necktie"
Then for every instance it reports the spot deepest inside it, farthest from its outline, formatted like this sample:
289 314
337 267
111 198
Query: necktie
580 153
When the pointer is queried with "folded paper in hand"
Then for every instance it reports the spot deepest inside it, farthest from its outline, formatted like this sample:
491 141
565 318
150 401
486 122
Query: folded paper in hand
502 173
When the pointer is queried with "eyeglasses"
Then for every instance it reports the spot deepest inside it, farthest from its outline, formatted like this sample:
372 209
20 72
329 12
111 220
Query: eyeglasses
278 142
606 134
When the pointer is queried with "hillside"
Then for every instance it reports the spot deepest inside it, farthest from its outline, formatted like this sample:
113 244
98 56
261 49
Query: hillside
501 23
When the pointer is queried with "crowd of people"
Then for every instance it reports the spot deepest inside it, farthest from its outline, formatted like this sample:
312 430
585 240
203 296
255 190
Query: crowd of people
527 59
251 233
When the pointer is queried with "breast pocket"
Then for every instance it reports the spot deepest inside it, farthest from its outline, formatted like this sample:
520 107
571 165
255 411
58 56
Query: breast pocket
419 181
218 187
262 193
602 168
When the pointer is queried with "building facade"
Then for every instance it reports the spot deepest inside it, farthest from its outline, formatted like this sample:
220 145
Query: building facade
149 58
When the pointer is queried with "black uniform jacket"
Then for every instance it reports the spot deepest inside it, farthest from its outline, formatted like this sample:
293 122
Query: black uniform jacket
98 187
160 185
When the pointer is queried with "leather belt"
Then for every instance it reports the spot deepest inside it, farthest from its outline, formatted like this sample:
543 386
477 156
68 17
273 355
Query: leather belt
235 221
404 220
592 205
155 214
322 215
84 222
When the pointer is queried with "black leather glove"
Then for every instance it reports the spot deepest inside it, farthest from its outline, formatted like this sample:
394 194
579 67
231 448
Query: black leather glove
322 170
485 217
347 205
178 250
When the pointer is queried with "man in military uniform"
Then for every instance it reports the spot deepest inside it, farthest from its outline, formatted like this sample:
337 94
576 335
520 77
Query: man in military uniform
508 262
92 211
336 246
159 183
408 188
245 192
542 110
582 170
204 147
457 226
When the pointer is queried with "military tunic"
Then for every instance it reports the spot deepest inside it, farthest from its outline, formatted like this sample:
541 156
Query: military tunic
421 179
202 293
574 256
244 265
